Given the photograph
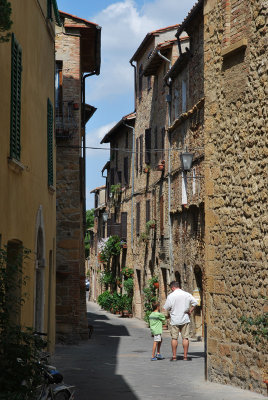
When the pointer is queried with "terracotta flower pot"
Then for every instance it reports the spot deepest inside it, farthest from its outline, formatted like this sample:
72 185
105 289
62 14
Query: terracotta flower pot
160 167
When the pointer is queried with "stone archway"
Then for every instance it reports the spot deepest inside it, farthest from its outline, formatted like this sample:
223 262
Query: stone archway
39 293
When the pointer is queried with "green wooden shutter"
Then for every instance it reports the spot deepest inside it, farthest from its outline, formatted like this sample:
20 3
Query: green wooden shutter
49 9
15 109
50 142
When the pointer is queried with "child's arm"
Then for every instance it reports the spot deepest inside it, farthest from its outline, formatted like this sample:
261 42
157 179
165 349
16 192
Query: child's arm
162 318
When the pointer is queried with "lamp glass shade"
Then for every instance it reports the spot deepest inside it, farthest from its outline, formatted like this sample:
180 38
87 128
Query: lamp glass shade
186 161
105 216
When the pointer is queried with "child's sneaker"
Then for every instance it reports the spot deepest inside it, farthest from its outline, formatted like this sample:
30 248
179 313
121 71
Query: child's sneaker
159 357
154 359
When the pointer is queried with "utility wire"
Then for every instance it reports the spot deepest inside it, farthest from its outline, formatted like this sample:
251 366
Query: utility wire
128 150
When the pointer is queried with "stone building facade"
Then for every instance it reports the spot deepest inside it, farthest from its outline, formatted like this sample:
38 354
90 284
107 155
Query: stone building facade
235 84
150 251
77 56
186 135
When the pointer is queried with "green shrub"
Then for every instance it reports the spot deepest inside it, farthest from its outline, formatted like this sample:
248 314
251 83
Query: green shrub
111 248
107 278
105 300
128 286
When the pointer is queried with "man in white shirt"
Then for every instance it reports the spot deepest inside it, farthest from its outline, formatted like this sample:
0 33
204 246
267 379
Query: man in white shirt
180 305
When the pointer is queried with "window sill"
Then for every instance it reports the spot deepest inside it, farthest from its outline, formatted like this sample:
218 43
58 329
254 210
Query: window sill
51 189
15 165
236 47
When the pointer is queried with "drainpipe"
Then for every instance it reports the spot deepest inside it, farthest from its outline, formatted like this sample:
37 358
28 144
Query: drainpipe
132 184
135 82
168 99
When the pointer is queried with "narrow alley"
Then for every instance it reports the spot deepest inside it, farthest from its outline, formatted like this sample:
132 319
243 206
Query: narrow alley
115 364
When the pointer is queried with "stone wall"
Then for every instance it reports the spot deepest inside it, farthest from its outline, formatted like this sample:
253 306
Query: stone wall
236 238
71 322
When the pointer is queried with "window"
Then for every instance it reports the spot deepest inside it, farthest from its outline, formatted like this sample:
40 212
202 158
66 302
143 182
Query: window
124 225
163 143
126 144
156 155
194 181
148 207
183 95
137 155
141 151
119 177
138 208
149 83
148 146
161 214
116 155
58 89
176 103
126 170
16 70
49 9
140 81
112 176
50 142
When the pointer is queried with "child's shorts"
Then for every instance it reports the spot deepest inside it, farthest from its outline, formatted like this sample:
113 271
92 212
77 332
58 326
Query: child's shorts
157 338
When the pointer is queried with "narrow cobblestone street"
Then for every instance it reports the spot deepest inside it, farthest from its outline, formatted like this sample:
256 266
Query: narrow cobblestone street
115 364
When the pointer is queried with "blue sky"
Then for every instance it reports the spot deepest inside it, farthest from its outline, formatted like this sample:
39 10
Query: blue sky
124 25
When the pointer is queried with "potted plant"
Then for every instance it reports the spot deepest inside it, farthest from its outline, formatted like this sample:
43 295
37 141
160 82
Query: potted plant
150 224
154 281
144 237
147 169
160 167
124 244
127 272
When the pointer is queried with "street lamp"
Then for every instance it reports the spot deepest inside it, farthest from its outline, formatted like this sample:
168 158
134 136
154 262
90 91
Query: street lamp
105 216
186 161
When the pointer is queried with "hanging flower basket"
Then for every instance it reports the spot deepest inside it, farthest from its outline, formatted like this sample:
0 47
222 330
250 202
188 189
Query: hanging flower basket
160 167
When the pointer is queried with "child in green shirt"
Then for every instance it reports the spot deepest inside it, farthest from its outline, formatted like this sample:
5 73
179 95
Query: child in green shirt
156 320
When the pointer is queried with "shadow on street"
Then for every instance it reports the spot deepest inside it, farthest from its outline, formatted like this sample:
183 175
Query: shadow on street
91 365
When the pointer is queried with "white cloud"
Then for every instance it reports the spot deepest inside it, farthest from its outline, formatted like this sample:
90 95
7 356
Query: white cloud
124 26
93 139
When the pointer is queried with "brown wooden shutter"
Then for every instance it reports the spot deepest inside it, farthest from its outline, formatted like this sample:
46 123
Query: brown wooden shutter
117 229
148 146
124 225
138 207
141 152
119 177
126 179
148 206
112 176
156 154
137 154
163 143
161 205
109 227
